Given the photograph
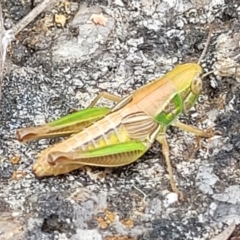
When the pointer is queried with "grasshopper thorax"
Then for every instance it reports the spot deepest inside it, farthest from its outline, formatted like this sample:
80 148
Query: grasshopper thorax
188 80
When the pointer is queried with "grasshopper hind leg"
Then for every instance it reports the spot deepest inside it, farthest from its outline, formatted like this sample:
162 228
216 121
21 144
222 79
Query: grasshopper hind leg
165 150
106 95
40 170
114 155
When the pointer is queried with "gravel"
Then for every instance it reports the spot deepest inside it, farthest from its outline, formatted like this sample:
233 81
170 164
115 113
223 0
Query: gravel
52 70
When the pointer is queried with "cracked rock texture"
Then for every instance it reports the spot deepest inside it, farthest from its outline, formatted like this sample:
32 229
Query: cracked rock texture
54 68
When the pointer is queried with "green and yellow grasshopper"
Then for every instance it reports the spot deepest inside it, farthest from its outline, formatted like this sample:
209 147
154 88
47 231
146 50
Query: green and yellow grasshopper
119 136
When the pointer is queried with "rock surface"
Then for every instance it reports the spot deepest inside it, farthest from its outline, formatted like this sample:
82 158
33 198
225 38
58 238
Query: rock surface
54 68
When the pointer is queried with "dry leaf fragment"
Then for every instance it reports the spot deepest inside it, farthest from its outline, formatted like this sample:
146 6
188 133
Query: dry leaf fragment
66 5
110 216
14 159
119 238
99 19
105 221
11 227
17 175
102 223
80 195
128 223
95 176
60 19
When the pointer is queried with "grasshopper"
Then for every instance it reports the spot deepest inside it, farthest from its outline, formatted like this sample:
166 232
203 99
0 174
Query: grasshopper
119 136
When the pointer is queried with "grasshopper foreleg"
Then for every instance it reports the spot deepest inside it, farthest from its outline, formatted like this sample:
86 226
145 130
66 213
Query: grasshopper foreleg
208 133
165 150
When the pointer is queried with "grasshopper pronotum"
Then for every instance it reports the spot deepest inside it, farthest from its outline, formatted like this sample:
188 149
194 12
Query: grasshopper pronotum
119 136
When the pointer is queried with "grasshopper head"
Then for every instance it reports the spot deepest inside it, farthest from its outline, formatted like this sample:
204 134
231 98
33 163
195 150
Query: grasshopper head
188 81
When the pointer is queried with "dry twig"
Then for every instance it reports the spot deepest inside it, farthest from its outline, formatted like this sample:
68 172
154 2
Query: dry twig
225 235
2 57
7 36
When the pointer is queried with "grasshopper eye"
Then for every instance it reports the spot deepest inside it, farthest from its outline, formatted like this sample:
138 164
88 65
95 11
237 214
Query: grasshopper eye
196 85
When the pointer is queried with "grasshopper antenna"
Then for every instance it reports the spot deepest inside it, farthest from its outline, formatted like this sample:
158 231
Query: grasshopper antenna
207 44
